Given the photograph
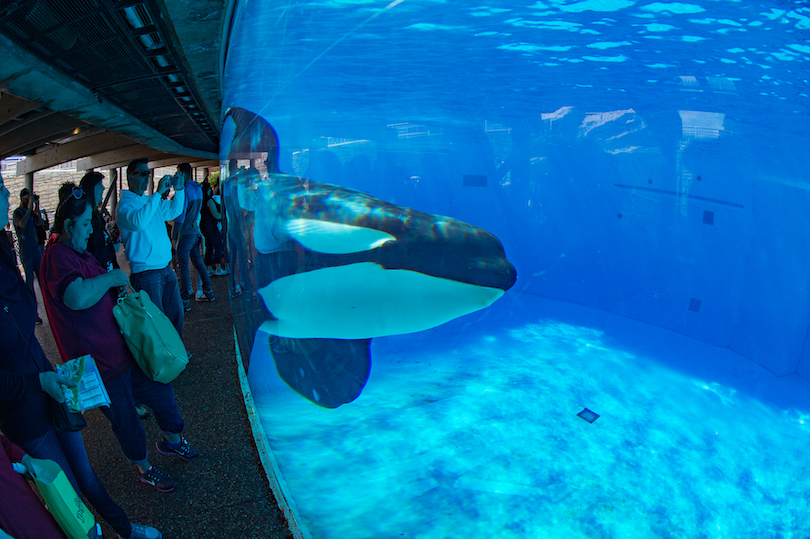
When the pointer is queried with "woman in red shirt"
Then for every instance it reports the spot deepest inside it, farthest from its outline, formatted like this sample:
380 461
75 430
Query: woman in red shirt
79 297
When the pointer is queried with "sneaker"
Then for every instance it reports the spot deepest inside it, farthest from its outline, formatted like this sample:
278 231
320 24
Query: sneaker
182 450
143 411
206 297
221 272
198 294
158 479
236 292
186 305
143 532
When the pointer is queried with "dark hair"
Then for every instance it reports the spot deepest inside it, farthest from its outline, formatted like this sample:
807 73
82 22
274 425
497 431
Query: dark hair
185 168
89 181
69 207
131 166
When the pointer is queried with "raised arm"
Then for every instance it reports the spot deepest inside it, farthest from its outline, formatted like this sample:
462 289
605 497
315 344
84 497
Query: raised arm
174 208
22 221
132 217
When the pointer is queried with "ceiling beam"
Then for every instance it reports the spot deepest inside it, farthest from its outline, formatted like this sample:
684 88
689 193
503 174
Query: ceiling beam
37 133
19 122
62 153
170 161
208 163
162 159
12 106
118 157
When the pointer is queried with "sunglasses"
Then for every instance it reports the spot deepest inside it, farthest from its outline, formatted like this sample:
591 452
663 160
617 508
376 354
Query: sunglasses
77 193
140 173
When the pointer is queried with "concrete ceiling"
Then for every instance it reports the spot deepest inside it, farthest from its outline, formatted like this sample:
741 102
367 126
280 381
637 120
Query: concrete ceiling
106 81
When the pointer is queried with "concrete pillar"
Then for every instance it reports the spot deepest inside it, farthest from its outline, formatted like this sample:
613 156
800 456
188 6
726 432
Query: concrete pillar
29 182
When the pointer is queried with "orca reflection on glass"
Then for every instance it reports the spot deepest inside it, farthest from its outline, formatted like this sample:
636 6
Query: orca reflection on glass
337 267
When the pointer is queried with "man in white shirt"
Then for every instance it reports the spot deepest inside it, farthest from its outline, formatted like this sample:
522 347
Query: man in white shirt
142 221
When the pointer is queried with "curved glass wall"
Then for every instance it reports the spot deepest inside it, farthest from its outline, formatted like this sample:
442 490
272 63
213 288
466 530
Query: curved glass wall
527 269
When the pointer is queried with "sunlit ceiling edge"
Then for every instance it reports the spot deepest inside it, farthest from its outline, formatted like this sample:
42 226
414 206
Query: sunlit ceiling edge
24 75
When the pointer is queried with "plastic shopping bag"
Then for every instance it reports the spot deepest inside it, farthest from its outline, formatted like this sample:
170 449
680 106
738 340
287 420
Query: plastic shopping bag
62 500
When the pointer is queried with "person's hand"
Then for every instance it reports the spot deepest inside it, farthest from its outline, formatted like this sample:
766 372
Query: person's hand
30 202
118 278
165 184
26 461
50 381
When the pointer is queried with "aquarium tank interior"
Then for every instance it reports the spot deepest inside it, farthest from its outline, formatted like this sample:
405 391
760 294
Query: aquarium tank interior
524 269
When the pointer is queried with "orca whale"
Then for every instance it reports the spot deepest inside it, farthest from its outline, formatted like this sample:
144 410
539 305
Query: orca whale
337 267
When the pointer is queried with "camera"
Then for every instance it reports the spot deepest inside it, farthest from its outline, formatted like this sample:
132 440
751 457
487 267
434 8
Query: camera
36 197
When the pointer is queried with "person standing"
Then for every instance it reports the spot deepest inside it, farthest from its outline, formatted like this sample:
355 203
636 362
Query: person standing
211 228
186 238
142 221
101 245
80 295
26 221
28 381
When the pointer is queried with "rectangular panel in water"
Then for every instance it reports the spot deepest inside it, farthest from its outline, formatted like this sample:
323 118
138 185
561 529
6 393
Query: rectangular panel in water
471 180
588 415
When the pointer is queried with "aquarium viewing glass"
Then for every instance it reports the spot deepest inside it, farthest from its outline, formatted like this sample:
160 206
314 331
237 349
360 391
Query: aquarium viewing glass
525 269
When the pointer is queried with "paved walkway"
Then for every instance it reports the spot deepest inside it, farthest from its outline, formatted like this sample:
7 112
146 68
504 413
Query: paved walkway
225 493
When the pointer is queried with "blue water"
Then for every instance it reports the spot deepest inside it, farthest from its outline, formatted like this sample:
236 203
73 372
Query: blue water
471 430
644 165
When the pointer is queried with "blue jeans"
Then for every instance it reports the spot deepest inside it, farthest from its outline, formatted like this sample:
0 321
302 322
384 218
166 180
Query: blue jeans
161 285
31 264
125 390
188 248
67 450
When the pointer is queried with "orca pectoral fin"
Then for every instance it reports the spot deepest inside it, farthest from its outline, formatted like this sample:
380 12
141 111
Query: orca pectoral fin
327 372
335 238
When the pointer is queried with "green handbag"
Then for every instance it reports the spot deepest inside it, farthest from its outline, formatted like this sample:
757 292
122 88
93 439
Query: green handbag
151 337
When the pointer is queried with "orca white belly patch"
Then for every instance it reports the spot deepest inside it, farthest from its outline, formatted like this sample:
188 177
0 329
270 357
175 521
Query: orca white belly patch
364 300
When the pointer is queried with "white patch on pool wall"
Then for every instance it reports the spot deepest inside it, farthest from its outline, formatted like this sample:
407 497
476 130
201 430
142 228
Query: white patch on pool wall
595 5
672 7
608 44
693 119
